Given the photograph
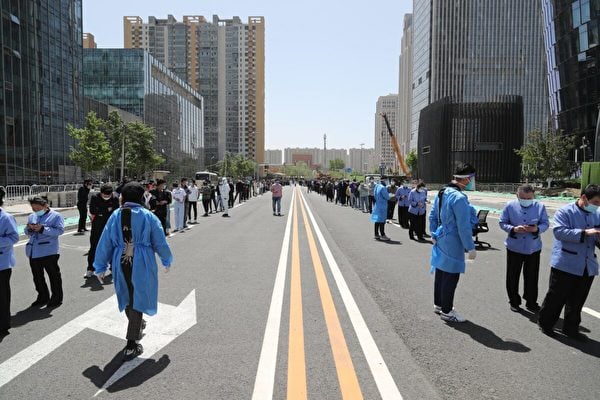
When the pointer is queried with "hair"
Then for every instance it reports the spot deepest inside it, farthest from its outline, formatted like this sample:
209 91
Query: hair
421 184
160 182
526 189
38 200
133 192
184 179
464 169
106 189
175 184
591 191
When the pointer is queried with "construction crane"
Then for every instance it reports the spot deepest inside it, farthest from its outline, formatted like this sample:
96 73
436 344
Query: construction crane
396 147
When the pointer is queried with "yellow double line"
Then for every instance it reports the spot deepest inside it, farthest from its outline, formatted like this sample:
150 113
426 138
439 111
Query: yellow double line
296 382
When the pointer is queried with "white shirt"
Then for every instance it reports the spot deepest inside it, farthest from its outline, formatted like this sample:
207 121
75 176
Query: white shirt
178 195
193 196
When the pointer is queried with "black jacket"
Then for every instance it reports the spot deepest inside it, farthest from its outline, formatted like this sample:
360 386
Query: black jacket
82 196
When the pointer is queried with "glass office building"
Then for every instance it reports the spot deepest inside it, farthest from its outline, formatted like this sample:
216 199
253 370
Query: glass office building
40 89
572 37
134 81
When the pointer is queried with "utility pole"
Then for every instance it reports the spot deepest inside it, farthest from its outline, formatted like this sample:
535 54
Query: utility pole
324 151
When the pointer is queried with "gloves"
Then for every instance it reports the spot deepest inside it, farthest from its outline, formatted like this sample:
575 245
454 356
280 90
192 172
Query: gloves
472 254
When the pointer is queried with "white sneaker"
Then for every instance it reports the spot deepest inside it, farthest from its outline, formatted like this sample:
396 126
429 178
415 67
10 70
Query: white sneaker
452 316
437 309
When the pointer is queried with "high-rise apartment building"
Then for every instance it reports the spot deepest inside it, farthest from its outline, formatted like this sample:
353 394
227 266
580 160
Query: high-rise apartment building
405 87
274 157
134 81
572 37
383 144
223 59
474 51
40 82
360 160
89 41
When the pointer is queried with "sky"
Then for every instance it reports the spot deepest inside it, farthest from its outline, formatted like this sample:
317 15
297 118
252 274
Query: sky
327 61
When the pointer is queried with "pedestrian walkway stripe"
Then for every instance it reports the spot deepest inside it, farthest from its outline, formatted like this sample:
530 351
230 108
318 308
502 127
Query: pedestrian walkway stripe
591 312
346 373
381 374
296 381
265 374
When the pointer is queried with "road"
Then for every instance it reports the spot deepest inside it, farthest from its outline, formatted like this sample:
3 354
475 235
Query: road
306 305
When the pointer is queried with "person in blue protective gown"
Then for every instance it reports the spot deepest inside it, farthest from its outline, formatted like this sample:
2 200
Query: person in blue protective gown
451 225
380 209
132 236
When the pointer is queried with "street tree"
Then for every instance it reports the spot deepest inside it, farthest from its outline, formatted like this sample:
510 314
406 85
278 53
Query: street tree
115 133
546 156
412 162
141 156
92 150
336 164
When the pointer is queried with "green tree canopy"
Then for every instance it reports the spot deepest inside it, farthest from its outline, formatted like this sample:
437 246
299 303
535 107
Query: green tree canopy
412 161
546 156
92 150
141 156
336 164
236 166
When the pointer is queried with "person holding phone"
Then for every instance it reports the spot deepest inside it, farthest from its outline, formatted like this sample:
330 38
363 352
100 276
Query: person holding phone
573 263
8 237
524 219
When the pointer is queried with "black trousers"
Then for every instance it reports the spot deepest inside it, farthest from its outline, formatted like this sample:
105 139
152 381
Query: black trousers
97 226
371 201
403 217
390 209
568 291
206 205
5 299
416 225
443 289
192 206
186 210
50 265
82 217
162 217
134 326
530 264
379 228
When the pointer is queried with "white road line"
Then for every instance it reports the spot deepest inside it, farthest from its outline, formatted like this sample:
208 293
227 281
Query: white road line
265 374
383 379
591 312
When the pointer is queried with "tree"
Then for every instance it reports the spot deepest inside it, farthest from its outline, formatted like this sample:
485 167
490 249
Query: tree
236 166
114 127
412 162
546 156
336 164
140 156
92 150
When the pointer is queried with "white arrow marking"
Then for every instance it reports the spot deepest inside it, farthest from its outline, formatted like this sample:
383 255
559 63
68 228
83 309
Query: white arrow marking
161 329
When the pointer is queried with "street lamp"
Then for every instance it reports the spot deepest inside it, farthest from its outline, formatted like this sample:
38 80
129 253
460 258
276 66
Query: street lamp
362 148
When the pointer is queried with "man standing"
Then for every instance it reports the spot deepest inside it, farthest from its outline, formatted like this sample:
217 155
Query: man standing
524 220
380 209
44 227
371 193
402 197
162 202
573 261
277 191
186 203
132 237
82 201
224 190
193 202
205 192
452 230
417 208
102 205
392 188
8 237
179 196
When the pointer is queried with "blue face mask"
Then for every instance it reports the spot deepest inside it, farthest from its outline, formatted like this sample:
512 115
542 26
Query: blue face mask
526 202
591 208
40 213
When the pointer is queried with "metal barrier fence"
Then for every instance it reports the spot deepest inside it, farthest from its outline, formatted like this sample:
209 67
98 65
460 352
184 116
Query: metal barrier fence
22 192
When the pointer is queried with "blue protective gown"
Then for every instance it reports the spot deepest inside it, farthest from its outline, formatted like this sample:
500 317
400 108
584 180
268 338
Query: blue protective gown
148 237
453 233
380 207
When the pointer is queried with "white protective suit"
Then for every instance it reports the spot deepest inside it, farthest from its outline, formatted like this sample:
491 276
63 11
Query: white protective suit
224 189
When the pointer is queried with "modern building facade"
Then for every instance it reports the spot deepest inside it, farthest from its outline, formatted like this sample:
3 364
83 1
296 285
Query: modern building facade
224 60
572 38
274 157
383 144
40 82
405 87
361 160
475 51
482 134
134 81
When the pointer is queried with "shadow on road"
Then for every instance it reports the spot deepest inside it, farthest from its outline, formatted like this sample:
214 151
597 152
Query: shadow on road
489 338
143 373
29 315
94 284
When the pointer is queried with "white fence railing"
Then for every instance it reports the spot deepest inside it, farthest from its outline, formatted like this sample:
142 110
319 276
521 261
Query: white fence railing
23 192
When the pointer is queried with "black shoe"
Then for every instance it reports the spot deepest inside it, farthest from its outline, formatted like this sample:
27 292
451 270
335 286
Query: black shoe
576 335
54 304
226 215
514 308
411 237
4 332
535 307
130 354
547 331
39 302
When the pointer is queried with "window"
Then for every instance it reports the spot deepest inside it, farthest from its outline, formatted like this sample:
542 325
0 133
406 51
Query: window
426 150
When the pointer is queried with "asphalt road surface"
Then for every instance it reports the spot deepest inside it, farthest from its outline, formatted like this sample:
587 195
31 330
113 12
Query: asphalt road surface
306 305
